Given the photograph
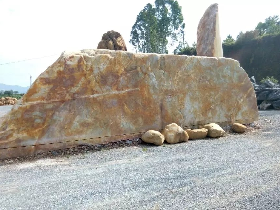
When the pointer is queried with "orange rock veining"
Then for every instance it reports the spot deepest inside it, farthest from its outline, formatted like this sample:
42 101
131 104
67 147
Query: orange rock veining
98 96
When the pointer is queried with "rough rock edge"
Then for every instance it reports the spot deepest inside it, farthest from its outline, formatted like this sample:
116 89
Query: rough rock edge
113 53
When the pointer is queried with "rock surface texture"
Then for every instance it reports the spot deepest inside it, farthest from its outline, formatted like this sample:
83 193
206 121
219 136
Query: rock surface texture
153 137
267 93
7 101
174 134
238 128
197 133
208 34
99 96
112 40
214 130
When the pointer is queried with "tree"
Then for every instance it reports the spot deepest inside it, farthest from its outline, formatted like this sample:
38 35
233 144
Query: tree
187 50
229 40
247 36
143 32
270 26
158 27
8 92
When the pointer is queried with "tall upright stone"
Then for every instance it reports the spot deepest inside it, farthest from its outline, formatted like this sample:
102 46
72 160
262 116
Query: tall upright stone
208 34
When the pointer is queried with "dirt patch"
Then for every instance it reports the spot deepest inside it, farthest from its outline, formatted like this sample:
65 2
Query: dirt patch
80 149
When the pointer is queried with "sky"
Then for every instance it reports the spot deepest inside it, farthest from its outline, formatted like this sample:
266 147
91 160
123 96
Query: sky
44 29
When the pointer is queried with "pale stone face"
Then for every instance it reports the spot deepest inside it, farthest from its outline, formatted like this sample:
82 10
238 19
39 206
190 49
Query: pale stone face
174 134
209 41
238 128
97 96
197 133
153 137
214 130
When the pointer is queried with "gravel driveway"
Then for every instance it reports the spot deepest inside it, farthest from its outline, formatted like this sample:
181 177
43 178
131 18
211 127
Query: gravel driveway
4 110
233 172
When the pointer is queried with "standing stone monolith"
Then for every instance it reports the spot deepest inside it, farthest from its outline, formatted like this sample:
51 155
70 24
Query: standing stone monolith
208 34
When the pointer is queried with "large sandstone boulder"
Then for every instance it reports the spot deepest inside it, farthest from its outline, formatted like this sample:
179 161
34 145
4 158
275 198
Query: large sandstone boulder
112 40
99 96
153 137
209 41
173 134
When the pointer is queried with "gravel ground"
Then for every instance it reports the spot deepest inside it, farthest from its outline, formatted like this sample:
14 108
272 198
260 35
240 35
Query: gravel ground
4 110
233 172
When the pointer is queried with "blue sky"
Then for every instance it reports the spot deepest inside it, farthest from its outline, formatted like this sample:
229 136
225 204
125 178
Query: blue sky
35 29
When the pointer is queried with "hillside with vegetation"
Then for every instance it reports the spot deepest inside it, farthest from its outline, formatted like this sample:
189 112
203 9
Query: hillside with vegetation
258 51
10 93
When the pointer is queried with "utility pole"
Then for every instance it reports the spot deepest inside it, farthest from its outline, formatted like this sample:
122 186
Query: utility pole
30 80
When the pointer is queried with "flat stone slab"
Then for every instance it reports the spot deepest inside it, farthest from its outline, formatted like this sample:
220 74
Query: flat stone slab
99 96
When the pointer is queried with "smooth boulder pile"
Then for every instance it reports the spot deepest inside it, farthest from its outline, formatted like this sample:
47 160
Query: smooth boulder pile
7 101
268 94
173 133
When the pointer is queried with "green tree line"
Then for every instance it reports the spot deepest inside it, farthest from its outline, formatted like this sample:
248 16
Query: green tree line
10 93
258 50
270 27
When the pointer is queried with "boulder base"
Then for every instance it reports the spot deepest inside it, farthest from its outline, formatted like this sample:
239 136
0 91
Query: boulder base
99 96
